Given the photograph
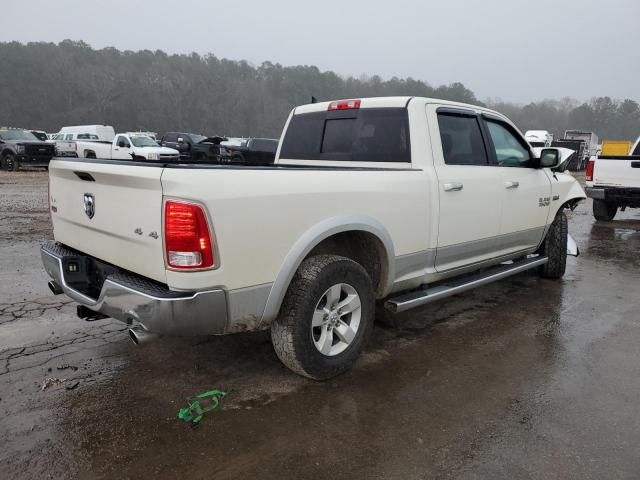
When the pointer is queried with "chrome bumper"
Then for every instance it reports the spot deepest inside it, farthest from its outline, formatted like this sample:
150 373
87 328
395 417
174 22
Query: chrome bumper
136 300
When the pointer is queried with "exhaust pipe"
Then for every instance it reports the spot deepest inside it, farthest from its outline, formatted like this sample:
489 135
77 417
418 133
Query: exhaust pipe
139 335
55 288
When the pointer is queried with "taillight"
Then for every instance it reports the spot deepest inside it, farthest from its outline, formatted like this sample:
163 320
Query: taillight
588 175
187 240
344 105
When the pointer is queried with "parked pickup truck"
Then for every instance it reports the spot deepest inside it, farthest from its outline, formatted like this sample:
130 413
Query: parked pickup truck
194 147
126 147
613 181
21 147
251 151
404 200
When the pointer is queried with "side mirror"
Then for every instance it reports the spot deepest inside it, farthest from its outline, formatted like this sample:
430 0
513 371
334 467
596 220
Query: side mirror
549 158
121 144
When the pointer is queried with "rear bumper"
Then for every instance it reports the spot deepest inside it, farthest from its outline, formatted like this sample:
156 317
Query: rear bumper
618 195
597 193
136 300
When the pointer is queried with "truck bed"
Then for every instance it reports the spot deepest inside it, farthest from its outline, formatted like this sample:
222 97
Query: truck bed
617 171
243 201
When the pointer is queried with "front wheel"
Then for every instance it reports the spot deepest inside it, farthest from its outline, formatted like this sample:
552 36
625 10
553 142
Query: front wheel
554 247
10 163
604 211
325 318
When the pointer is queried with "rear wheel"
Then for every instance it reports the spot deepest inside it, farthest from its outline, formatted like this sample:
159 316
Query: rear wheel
604 211
554 247
325 318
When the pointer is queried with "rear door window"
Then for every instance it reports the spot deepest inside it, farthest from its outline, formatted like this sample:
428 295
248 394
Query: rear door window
462 142
362 135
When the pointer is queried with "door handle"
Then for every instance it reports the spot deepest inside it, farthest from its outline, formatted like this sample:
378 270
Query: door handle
512 184
452 187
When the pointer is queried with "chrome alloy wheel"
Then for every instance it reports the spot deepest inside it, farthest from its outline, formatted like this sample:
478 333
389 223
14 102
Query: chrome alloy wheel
336 319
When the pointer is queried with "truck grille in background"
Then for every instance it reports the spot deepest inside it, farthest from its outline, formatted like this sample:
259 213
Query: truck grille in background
39 150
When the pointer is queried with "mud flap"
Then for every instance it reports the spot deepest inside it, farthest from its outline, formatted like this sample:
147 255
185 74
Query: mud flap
572 247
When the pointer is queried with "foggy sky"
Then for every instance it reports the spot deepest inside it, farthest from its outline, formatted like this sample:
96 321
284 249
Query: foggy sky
515 50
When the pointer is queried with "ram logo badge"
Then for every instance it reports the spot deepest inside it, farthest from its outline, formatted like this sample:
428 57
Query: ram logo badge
89 205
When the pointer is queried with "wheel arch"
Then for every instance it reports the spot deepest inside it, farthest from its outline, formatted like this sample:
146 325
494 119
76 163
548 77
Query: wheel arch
315 238
570 201
571 198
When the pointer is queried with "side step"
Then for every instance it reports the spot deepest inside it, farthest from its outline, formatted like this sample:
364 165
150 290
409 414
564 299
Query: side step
418 298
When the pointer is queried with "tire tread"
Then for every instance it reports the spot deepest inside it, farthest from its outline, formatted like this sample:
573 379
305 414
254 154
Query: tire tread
285 330
554 247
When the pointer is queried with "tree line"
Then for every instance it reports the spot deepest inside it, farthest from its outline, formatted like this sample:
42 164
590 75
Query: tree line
610 119
46 86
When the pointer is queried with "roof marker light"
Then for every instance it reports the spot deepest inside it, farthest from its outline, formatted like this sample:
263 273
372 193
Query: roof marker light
344 105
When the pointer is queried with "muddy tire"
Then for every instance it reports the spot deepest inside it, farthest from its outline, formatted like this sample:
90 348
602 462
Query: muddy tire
326 317
604 211
554 247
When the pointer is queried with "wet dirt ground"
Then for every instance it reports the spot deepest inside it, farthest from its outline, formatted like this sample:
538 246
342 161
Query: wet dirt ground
525 378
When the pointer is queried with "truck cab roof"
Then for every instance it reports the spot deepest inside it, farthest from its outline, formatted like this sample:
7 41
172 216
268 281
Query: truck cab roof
388 102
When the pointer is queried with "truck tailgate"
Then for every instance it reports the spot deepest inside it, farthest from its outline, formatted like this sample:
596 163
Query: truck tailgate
617 172
126 226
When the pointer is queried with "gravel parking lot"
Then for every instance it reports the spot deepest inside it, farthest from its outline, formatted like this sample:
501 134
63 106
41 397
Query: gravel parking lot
525 378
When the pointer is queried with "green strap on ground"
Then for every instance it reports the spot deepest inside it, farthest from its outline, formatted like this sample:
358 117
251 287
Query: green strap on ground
195 411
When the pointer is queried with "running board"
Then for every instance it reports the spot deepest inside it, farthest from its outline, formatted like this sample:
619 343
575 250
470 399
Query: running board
411 300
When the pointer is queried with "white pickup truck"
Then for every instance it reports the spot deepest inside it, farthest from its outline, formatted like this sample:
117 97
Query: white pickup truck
126 147
614 183
401 199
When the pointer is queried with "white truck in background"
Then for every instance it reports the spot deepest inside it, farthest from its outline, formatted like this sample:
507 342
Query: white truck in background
65 139
405 200
539 138
613 181
126 147
86 132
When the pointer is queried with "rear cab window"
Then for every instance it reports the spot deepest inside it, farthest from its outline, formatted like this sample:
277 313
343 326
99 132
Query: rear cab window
356 135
